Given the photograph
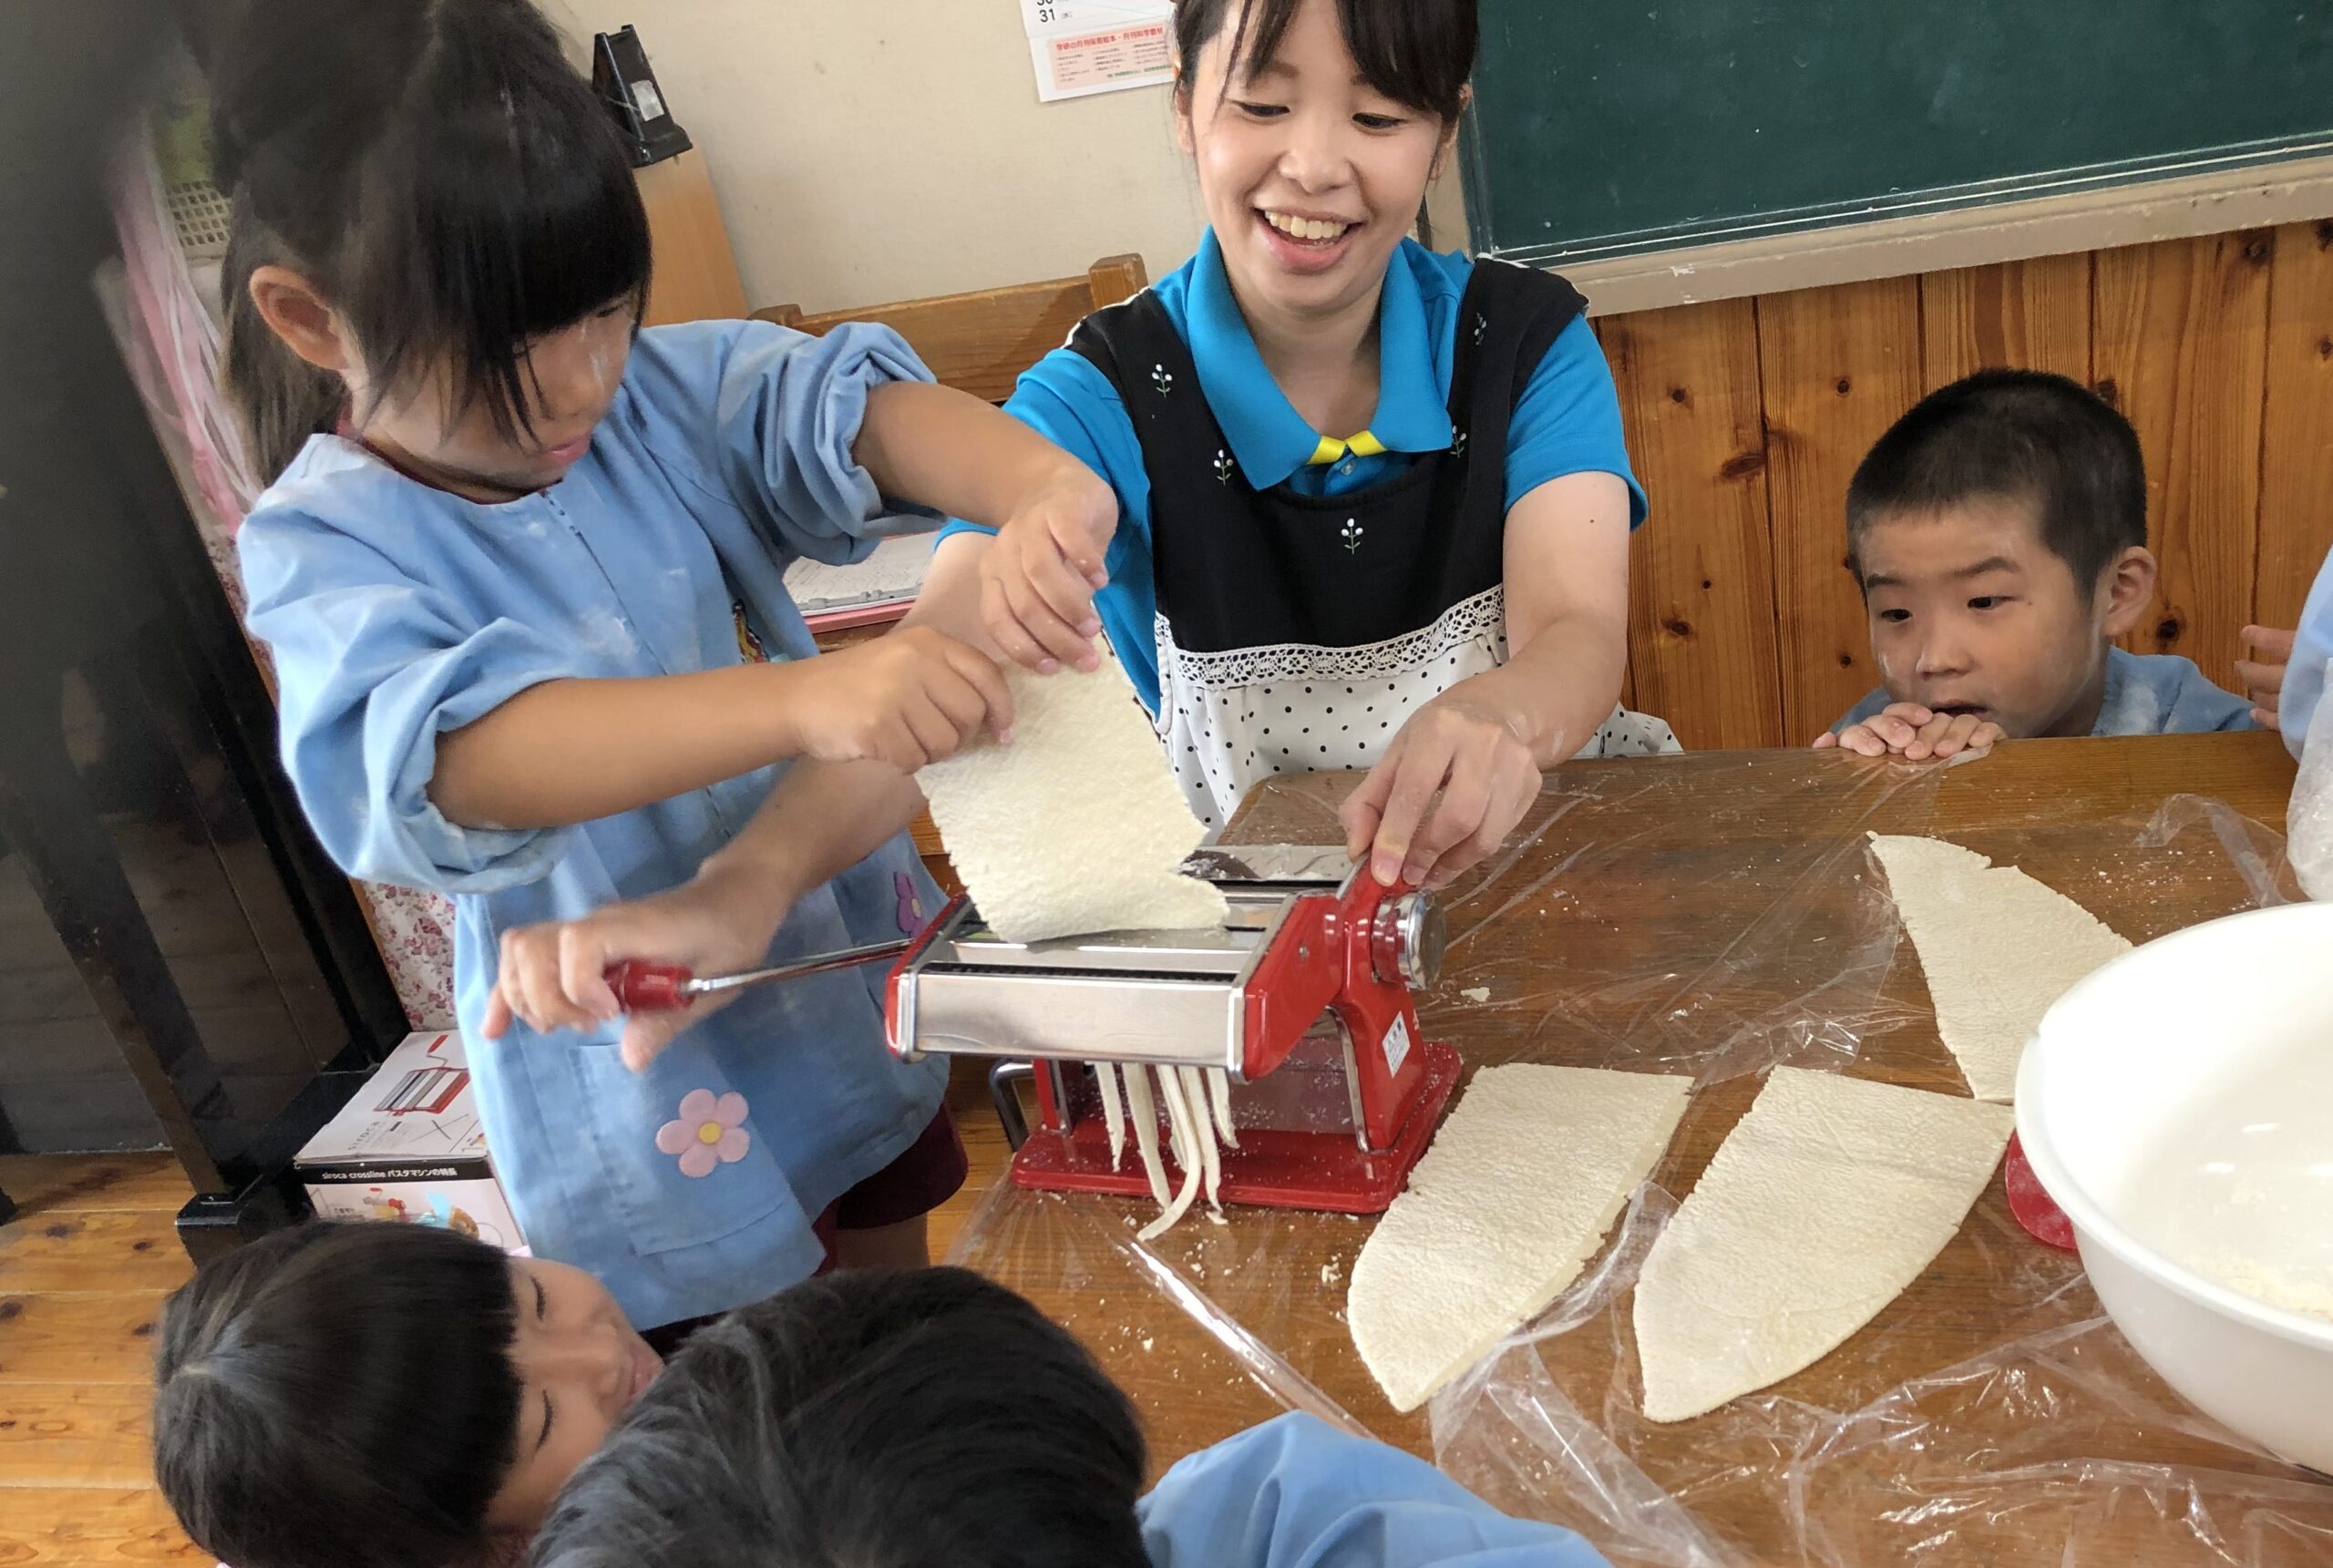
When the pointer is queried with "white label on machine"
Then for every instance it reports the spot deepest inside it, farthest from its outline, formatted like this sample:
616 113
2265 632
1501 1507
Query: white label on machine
1397 1045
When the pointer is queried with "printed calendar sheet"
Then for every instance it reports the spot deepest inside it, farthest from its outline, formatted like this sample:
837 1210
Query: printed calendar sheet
1086 46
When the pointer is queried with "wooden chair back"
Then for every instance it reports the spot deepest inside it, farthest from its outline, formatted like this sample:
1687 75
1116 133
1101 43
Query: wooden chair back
980 341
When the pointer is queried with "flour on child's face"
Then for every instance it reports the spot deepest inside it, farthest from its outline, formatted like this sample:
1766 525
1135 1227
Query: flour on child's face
570 378
1971 612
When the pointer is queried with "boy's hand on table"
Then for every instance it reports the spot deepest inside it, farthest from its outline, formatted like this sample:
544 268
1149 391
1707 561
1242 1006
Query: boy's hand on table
1914 733
2263 675
907 698
1038 581
552 975
1466 754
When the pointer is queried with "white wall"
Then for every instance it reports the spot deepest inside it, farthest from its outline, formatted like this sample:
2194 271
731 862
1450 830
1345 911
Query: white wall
868 150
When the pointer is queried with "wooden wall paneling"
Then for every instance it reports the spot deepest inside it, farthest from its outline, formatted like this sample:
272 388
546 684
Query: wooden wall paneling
2297 455
2034 315
1701 636
2180 344
1837 366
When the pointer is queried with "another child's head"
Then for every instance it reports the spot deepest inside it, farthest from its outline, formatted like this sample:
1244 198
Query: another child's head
1998 531
1315 125
382 1396
435 235
867 1419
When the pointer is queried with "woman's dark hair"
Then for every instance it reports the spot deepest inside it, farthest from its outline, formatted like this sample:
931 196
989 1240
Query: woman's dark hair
443 176
1415 52
341 1394
879 1419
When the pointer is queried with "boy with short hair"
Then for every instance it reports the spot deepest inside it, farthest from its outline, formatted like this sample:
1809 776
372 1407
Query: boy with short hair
932 1416
1999 533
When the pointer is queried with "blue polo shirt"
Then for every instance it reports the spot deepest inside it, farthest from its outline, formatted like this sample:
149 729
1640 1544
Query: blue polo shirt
1567 420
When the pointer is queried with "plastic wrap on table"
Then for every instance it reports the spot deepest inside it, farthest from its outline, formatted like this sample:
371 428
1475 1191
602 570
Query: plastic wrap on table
1990 1414
1711 922
1681 928
1987 1415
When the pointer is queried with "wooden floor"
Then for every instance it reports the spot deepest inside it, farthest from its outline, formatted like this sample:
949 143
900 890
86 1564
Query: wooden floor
83 1271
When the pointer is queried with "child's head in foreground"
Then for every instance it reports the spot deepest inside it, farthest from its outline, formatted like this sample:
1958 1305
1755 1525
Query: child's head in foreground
867 1419
382 1396
1998 531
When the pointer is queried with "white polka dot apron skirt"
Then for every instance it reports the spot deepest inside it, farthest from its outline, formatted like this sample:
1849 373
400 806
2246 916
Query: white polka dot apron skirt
1296 633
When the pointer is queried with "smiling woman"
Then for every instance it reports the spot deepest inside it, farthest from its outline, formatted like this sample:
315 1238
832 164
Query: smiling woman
1373 505
1393 80
382 1396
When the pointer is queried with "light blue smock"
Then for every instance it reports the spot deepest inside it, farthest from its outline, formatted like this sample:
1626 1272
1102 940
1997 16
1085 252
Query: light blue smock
396 611
1297 1493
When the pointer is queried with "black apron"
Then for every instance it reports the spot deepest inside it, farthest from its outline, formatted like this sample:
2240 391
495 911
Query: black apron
1295 633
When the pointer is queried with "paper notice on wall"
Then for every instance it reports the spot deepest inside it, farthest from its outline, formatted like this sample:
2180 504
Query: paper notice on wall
1086 46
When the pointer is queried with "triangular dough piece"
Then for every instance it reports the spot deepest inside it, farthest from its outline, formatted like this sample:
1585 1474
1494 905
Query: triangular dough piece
1078 826
1826 1200
1997 948
1511 1200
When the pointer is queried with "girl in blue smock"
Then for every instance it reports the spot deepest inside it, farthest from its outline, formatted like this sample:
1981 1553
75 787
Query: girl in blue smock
521 575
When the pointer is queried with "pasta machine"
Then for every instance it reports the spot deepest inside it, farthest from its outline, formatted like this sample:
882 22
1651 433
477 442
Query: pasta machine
1303 999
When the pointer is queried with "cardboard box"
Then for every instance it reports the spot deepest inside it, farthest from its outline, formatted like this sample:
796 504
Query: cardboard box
409 1146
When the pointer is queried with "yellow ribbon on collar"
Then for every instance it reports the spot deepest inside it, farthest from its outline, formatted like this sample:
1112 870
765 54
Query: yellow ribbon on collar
1330 449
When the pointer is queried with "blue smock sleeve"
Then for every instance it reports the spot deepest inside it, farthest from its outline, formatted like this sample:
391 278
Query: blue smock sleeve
1568 421
372 667
2305 675
765 418
1296 1493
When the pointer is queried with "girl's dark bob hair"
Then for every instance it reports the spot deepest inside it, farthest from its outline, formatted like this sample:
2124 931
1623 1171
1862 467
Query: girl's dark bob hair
443 177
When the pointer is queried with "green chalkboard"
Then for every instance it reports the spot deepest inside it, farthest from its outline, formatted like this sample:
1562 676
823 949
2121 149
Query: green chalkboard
1610 127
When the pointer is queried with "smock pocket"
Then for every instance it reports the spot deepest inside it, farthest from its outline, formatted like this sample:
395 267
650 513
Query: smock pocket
682 1159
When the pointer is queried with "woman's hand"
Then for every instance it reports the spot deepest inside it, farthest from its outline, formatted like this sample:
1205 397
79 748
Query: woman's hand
552 975
1460 774
1039 579
1446 794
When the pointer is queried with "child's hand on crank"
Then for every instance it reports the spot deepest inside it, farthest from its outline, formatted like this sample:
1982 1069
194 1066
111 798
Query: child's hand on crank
907 698
1039 578
1445 795
552 977
1914 733
2263 675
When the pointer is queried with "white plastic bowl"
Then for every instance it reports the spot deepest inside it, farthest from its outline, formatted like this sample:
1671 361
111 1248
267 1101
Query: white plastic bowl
2115 1067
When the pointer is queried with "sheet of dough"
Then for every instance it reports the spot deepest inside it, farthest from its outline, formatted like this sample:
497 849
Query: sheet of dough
1827 1199
1077 827
1508 1205
1997 948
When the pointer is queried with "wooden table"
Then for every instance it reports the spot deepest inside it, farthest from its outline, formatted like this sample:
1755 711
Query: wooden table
1713 914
